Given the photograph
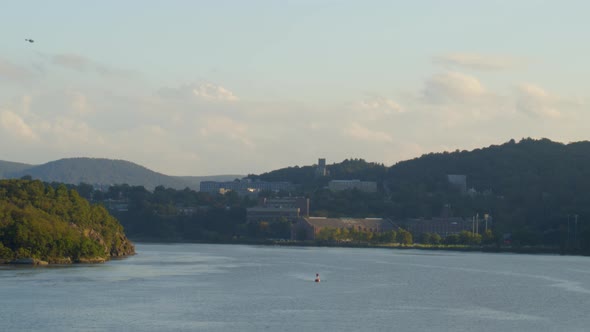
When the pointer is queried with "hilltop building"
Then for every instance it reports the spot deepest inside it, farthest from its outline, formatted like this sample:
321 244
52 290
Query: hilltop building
364 186
321 169
459 181
307 228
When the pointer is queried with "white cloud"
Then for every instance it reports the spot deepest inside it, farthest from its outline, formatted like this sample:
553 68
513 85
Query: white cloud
72 61
220 127
535 101
210 91
454 87
381 105
79 103
202 91
359 132
67 132
15 125
82 63
12 72
478 61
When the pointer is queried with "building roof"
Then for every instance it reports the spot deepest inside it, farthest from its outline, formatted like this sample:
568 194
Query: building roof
350 222
432 220
272 209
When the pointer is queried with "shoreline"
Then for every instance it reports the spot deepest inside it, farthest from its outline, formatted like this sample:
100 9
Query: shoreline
545 250
35 262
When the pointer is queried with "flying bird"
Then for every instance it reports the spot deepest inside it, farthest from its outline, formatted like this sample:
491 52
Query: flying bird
30 40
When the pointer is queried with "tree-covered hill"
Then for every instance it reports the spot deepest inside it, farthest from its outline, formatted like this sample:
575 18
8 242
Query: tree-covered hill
9 167
103 172
100 171
347 169
540 164
537 191
56 225
553 175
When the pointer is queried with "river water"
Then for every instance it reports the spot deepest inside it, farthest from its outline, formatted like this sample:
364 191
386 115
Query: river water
197 287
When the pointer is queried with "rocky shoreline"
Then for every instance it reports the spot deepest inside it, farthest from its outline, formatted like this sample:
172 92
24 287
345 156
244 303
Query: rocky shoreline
30 261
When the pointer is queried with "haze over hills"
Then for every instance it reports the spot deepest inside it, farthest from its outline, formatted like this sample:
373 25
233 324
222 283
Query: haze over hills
554 164
100 171
8 167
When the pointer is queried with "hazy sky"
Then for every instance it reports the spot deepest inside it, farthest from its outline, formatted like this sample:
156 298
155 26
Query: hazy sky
217 87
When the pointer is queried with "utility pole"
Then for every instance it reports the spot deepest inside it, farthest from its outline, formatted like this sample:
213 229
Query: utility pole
576 232
568 242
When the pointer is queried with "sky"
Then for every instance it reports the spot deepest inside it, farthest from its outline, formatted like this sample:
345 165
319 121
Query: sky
246 87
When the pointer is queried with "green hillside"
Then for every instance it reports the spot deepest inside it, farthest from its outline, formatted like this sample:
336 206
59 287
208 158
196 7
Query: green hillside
9 167
100 171
56 225
537 191
104 172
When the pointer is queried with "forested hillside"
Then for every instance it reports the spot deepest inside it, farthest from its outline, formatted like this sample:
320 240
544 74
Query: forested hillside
100 171
103 173
537 192
56 225
7 168
533 189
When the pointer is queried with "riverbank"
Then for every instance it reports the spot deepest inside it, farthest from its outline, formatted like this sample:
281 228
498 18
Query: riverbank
461 248
349 244
60 261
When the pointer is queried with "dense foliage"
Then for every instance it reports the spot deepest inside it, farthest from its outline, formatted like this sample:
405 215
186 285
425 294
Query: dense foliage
352 235
55 224
537 192
167 214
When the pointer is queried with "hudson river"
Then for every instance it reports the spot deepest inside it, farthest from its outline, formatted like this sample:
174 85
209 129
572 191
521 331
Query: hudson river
196 287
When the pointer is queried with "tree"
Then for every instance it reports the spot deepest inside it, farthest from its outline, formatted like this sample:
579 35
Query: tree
488 237
404 237
435 238
452 239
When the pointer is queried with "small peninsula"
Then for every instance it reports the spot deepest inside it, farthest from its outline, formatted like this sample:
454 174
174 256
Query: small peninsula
44 224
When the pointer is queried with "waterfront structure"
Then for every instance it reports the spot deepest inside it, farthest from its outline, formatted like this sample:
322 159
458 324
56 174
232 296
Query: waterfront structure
302 203
308 227
364 186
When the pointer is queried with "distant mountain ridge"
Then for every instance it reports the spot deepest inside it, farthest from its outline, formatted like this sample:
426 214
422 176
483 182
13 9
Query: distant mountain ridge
102 171
7 167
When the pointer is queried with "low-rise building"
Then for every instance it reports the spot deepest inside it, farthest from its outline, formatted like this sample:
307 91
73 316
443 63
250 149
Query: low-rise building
272 214
278 209
244 186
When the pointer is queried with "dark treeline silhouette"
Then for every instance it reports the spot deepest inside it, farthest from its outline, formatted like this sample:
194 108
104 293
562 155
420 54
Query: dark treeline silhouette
537 191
